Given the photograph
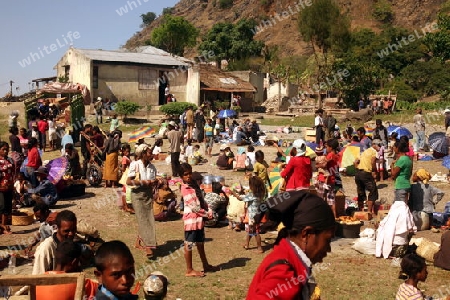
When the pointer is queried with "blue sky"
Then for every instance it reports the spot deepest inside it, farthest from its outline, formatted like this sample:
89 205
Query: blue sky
36 34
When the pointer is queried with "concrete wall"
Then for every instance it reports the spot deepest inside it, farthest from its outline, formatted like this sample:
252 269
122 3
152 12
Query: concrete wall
193 85
287 90
80 68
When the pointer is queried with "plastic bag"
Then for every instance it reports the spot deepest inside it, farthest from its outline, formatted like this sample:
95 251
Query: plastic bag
365 245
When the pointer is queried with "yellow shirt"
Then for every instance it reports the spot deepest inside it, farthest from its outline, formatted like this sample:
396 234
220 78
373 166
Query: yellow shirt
365 162
260 170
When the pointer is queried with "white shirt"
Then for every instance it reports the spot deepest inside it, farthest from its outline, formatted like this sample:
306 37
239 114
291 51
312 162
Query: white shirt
166 91
251 158
156 150
318 121
145 173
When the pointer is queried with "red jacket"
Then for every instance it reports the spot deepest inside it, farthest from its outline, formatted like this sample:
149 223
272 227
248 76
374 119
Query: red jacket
279 281
34 159
298 173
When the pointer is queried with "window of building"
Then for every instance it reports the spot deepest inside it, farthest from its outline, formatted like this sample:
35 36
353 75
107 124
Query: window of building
95 78
66 71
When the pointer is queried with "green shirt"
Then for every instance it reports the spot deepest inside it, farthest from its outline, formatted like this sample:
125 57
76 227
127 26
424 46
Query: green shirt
402 180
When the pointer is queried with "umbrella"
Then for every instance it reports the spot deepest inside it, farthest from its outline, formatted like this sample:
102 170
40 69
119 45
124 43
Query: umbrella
390 129
275 180
446 162
309 152
401 131
226 113
140 133
348 155
438 142
56 169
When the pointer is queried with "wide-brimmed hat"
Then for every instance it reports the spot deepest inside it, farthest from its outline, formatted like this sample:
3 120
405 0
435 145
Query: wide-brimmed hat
141 148
99 98
155 284
172 123
41 170
300 145
446 111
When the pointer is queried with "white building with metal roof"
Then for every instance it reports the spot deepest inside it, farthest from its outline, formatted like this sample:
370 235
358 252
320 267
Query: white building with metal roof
141 75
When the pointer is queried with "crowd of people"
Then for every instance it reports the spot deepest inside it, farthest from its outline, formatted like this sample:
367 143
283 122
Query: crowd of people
305 220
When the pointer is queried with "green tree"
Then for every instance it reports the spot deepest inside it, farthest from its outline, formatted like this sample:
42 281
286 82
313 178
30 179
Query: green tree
148 18
439 41
126 108
174 35
325 34
232 42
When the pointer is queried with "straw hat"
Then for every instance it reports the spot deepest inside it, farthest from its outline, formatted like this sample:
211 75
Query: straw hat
141 148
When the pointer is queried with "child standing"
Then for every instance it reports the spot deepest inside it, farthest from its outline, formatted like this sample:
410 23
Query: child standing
114 268
413 269
380 160
334 181
209 137
260 168
253 199
126 192
195 209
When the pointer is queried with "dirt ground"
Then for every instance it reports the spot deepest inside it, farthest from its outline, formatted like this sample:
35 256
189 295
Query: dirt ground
344 274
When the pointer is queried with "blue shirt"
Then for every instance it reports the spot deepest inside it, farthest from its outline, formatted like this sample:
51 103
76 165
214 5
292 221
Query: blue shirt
365 144
47 191
66 139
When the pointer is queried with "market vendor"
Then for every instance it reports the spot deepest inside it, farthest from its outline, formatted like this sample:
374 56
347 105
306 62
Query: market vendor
74 161
46 191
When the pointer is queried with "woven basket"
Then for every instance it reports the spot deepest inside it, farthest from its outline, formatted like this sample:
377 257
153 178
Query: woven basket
427 249
22 220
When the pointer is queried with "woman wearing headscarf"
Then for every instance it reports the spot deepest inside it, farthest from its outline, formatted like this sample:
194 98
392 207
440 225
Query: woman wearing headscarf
286 273
143 183
298 171
112 147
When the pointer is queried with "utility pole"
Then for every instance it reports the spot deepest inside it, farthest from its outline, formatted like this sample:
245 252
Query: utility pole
10 86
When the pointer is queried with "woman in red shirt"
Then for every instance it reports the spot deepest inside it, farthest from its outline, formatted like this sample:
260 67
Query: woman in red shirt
286 273
34 161
298 172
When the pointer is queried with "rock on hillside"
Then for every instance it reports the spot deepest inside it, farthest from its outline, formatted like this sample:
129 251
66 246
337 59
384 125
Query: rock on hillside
412 14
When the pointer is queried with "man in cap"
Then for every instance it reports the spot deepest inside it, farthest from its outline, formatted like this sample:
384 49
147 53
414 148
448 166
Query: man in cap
46 191
175 138
366 173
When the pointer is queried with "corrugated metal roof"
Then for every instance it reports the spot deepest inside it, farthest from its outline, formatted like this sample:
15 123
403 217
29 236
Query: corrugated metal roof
152 58
214 79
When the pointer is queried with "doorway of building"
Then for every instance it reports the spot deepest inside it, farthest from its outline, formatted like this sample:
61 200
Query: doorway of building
163 83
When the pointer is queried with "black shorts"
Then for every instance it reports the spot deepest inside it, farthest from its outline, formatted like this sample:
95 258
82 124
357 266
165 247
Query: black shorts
194 236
